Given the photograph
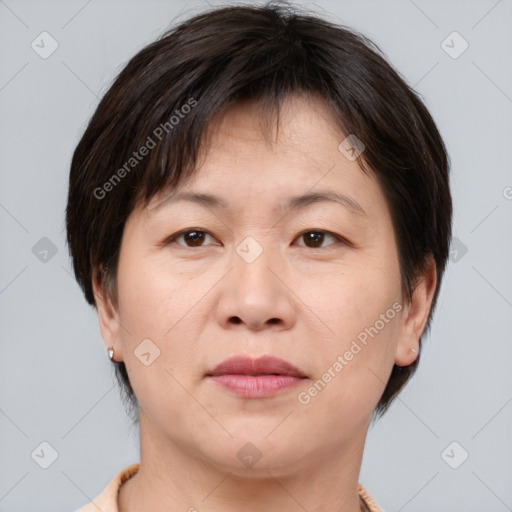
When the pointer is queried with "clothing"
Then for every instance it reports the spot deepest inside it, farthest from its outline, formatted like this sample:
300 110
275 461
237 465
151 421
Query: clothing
106 501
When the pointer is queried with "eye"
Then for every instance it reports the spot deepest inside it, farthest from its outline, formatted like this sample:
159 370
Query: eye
195 236
316 237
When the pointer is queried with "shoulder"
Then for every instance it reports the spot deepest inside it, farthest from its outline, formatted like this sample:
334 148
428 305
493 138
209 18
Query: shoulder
106 501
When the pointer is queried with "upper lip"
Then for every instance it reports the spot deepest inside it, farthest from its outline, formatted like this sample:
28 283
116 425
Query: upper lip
247 365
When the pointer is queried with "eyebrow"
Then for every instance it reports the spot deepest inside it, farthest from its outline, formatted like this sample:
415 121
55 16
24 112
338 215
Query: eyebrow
293 203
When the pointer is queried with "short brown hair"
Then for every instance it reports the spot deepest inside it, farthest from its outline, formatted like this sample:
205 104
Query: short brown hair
265 53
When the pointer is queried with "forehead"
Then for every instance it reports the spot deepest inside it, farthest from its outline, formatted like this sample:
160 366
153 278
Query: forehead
299 156
300 117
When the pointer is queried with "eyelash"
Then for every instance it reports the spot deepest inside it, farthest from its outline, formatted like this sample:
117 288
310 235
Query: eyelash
173 238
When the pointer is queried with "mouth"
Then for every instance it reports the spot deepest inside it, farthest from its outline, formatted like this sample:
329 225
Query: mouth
256 377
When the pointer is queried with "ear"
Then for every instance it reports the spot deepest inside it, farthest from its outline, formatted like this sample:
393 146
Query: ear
416 315
108 315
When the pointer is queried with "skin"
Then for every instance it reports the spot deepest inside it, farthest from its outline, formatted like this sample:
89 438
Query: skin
301 300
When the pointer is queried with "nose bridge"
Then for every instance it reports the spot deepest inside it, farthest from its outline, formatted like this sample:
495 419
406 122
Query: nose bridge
253 247
252 293
255 256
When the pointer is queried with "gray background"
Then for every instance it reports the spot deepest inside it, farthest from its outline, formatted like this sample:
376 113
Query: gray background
57 385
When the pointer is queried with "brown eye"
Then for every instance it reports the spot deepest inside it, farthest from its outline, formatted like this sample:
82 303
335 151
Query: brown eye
314 239
192 237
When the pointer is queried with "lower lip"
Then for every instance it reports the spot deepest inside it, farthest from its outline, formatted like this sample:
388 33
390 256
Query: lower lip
256 386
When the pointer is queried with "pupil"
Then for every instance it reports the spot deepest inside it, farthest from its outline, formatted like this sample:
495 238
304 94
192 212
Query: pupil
315 237
196 237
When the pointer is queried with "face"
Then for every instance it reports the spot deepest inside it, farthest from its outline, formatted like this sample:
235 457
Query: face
315 283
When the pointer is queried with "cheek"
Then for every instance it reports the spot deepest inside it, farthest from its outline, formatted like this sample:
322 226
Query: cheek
156 305
354 299
151 301
153 308
359 308
356 361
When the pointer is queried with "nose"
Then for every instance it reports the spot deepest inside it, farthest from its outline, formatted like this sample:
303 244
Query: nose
255 293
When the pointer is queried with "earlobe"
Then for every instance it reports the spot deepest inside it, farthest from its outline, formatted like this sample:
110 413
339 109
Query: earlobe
416 316
405 356
107 314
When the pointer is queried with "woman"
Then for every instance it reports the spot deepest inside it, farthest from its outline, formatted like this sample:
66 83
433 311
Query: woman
260 212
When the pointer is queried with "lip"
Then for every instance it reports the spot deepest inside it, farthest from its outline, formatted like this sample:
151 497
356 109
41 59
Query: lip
256 377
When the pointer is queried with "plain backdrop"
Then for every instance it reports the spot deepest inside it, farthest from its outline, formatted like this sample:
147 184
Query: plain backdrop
56 383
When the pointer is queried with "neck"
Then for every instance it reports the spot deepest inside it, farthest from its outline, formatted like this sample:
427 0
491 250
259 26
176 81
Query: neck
170 478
